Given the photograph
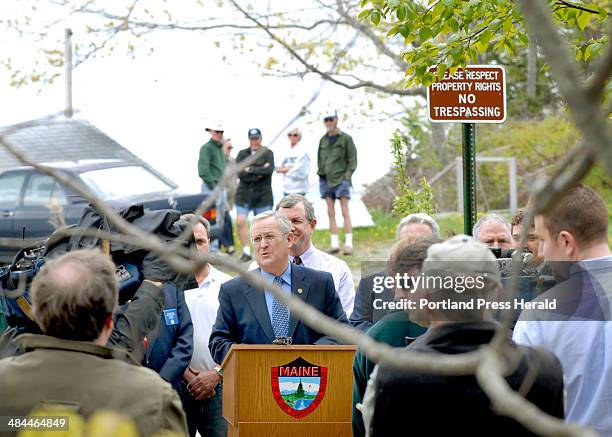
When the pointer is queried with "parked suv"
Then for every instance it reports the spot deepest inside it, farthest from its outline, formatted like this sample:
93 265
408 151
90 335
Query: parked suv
27 197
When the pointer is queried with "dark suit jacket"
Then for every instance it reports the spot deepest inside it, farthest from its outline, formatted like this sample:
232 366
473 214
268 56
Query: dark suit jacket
170 347
243 315
456 405
364 314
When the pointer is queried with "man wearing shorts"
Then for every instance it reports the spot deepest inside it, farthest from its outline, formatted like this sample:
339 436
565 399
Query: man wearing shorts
337 160
254 191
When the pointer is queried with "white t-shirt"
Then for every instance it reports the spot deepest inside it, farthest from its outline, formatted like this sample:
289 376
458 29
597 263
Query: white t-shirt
203 303
296 179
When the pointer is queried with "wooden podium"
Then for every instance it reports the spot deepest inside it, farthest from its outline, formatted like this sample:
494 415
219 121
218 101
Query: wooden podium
257 382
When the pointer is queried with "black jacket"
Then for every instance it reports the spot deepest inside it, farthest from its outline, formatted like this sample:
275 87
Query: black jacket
456 405
365 312
255 186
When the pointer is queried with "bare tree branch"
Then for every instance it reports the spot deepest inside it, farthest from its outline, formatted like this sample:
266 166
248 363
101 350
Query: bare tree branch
362 84
585 111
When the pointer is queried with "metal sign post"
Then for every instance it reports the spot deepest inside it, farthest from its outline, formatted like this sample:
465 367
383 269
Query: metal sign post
474 94
469 177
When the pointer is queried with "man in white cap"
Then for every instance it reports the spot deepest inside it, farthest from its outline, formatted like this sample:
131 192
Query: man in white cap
456 328
295 166
337 161
211 163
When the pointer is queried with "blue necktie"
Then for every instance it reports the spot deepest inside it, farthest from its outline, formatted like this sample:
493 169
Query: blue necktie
280 314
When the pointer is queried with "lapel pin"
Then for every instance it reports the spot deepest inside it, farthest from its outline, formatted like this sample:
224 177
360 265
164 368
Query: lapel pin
300 291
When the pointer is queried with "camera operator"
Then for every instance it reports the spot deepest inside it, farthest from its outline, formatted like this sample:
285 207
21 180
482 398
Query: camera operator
74 298
130 324
532 239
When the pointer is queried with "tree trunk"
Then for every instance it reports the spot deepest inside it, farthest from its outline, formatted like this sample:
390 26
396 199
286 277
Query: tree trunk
532 70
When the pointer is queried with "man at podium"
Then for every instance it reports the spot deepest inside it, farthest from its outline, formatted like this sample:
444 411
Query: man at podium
247 315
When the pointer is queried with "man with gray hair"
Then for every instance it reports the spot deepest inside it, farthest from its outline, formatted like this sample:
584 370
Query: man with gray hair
414 226
295 166
74 298
418 223
456 328
301 213
494 231
247 315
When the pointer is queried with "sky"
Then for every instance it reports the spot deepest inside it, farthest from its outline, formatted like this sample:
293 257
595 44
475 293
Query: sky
157 105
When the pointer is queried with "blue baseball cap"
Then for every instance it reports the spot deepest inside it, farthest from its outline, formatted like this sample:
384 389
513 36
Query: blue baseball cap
254 133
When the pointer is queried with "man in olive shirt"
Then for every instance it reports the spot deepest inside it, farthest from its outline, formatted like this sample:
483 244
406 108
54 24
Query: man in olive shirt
337 158
69 368
211 164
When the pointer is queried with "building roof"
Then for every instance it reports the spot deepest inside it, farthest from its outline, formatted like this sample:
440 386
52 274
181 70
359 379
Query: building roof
62 140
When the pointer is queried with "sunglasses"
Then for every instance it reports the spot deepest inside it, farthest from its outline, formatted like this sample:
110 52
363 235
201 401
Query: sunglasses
292 135
328 119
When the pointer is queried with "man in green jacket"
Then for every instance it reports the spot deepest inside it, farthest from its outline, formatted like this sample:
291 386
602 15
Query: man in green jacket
337 159
69 368
211 164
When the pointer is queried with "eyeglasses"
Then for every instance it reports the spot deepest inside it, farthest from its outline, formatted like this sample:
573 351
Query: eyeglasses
292 135
257 240
329 119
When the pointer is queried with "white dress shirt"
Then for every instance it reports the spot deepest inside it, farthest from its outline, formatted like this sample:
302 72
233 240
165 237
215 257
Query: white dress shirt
343 278
203 303
316 259
584 348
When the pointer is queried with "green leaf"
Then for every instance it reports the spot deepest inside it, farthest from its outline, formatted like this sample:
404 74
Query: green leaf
508 26
583 19
485 37
427 19
364 14
587 53
467 12
424 33
596 48
439 9
440 71
401 13
427 79
375 18
405 30
579 55
393 31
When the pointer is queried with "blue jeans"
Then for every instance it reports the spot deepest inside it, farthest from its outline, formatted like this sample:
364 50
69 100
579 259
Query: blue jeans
245 209
205 416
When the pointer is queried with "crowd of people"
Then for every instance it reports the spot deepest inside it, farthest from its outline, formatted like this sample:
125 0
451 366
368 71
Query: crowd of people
157 359
336 163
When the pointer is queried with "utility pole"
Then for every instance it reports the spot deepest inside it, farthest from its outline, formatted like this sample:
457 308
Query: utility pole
69 110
